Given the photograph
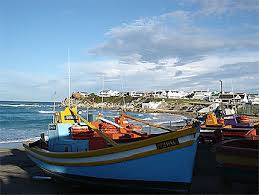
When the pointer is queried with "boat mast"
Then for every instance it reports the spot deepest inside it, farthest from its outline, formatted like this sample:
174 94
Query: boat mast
102 90
221 93
233 97
123 98
68 64
54 102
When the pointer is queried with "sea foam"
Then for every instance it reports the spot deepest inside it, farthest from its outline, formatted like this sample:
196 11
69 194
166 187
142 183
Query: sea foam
46 111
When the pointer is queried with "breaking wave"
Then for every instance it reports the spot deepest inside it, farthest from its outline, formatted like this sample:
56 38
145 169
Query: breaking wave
19 140
46 111
150 118
20 105
172 122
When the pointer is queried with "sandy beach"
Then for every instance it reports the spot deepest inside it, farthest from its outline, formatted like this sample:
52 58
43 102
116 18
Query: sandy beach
18 177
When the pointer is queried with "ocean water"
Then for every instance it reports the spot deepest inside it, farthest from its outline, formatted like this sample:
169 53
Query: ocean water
23 121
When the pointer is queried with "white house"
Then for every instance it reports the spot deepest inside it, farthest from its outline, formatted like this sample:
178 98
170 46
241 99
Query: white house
232 98
136 93
149 93
252 97
108 93
256 100
243 96
164 94
202 95
124 93
176 94
160 94
83 93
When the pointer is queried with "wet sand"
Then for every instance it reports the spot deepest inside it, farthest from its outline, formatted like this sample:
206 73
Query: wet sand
17 171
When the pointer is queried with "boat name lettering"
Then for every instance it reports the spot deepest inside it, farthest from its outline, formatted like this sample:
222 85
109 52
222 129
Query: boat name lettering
69 117
167 143
52 127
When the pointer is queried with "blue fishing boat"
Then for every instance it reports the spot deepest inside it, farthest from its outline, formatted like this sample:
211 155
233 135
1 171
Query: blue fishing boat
160 161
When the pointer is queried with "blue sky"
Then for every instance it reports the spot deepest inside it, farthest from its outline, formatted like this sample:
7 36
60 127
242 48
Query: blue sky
135 45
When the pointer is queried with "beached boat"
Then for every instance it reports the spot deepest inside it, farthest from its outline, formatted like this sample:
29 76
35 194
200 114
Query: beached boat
239 158
233 128
211 131
216 129
161 161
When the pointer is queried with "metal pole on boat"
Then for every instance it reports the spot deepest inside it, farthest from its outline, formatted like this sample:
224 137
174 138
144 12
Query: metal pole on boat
87 118
102 91
221 93
123 98
54 103
68 64
54 107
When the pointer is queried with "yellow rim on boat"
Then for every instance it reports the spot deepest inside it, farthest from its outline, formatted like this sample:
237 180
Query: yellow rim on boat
104 162
115 149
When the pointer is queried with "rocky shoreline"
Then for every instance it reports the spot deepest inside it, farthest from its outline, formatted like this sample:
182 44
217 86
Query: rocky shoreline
191 114
184 107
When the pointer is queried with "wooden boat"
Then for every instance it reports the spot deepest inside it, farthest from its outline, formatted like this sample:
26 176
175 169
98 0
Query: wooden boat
233 128
216 130
163 161
239 158
243 119
234 121
211 131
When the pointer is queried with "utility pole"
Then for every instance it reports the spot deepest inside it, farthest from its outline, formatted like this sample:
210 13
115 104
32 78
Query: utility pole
221 92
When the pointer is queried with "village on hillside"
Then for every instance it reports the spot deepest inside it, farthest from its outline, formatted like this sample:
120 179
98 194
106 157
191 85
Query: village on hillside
172 101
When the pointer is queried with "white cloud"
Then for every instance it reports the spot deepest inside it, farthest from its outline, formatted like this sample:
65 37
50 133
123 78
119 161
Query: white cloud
203 73
172 35
242 70
177 50
219 7
182 49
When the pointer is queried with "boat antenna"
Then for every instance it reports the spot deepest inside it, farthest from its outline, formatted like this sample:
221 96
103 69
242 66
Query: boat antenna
123 98
54 102
69 77
54 106
233 96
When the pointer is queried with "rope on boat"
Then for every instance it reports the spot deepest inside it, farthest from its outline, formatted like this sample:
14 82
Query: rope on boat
109 122
108 139
146 123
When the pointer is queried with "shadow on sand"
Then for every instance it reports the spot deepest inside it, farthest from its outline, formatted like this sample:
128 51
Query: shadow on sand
17 171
